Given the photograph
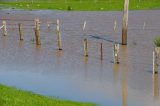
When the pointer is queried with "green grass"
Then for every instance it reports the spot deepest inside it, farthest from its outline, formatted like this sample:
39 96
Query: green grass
10 96
157 41
100 5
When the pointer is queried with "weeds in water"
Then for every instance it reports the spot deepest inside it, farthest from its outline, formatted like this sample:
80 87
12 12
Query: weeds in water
157 41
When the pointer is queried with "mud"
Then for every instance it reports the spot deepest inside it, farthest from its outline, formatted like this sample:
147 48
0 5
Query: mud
68 74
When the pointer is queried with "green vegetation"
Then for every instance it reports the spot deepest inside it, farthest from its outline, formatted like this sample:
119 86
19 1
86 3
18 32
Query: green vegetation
92 5
157 41
10 96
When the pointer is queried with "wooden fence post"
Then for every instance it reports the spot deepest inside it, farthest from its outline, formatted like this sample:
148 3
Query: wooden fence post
144 25
156 55
115 25
101 51
84 25
37 32
4 28
85 47
125 23
116 53
20 31
59 40
48 25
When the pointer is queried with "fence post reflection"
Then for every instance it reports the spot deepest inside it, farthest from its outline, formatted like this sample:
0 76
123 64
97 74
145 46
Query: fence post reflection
155 86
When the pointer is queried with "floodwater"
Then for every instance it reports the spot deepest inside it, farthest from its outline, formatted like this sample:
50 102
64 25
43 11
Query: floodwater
68 74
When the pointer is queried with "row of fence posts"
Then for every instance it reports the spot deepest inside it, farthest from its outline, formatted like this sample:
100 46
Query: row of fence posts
59 39
59 42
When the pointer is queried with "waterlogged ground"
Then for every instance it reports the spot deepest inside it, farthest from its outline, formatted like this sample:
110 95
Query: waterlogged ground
68 74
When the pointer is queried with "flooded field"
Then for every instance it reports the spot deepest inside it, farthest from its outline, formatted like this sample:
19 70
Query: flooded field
68 74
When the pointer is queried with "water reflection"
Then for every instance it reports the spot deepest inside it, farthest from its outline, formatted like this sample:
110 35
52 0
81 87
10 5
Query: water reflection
21 44
38 47
115 71
86 67
59 54
124 87
155 86
5 41
101 71
125 68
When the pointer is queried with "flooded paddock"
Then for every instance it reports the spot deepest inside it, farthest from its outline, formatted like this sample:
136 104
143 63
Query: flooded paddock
67 74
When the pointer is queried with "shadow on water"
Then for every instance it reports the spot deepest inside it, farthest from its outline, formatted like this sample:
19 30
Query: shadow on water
105 39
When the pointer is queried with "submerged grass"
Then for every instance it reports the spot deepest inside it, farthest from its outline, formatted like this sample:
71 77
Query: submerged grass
10 96
91 5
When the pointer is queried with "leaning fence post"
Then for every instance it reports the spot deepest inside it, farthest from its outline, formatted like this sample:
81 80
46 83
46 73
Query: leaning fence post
85 47
4 28
59 40
84 25
116 53
20 31
37 32
125 23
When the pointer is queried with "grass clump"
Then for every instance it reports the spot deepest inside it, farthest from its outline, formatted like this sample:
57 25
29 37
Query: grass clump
157 41
10 96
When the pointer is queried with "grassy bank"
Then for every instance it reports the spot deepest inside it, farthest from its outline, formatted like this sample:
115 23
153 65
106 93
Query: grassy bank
10 96
92 5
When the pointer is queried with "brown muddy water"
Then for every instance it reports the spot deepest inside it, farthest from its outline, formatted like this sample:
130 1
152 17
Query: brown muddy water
67 74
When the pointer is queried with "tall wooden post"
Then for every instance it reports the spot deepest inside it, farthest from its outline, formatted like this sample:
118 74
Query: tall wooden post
37 32
20 31
156 56
4 28
59 40
125 23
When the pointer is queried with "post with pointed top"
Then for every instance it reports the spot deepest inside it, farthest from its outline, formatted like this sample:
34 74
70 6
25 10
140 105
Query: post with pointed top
85 47
20 31
4 28
125 23
37 32
116 53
